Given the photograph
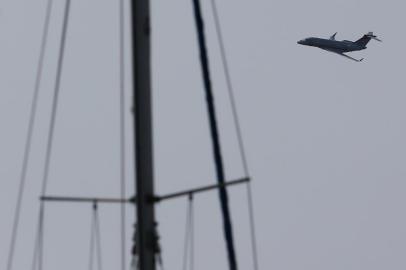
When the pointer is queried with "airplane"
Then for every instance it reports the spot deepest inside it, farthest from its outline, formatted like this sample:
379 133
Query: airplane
340 47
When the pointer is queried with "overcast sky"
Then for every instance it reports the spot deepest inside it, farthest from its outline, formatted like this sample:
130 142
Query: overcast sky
325 136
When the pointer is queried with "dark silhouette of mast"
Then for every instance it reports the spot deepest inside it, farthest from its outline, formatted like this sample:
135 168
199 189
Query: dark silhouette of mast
146 248
146 245
218 160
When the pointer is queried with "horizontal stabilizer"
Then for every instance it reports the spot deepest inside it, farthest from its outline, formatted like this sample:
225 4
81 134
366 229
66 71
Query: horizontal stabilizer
366 38
371 35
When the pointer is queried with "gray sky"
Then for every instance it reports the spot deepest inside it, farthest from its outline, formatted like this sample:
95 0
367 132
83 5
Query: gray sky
324 135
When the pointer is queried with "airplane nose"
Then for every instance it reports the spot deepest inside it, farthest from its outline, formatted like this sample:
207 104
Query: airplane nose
300 42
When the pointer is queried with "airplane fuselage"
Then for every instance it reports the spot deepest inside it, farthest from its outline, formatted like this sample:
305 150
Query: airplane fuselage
340 47
332 45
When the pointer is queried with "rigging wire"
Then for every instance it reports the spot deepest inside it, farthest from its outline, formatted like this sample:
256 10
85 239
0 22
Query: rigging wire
122 135
91 249
98 240
38 243
252 226
192 235
237 125
50 138
186 242
230 87
57 88
28 143
95 239
188 249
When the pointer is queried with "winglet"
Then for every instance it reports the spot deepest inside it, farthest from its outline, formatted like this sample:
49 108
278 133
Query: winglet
361 60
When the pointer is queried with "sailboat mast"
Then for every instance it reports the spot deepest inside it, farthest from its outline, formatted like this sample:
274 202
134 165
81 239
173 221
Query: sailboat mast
145 234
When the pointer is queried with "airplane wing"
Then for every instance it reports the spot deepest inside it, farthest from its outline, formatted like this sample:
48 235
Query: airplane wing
349 57
343 54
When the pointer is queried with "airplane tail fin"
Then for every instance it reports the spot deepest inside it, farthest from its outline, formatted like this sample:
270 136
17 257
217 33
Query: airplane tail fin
366 38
